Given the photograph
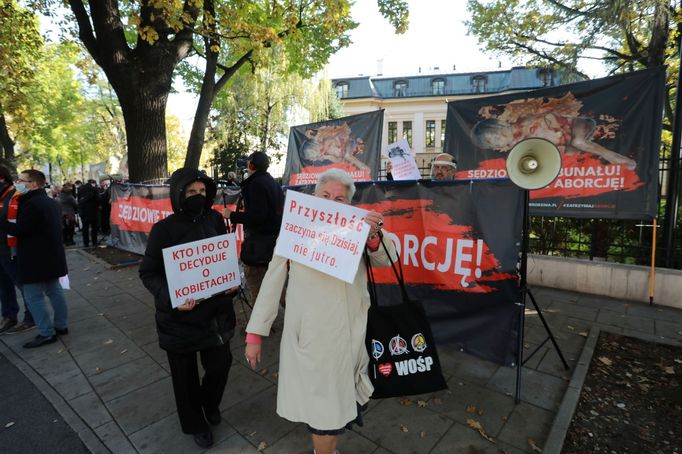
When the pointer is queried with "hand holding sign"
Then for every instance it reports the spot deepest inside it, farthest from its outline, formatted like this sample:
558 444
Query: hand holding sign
403 165
325 235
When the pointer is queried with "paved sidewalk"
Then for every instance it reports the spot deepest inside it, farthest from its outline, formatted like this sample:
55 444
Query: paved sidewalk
110 382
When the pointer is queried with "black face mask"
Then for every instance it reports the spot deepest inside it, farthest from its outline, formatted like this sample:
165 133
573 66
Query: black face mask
194 206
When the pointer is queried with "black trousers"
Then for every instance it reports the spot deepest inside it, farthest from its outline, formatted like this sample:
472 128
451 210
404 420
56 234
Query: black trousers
89 226
192 394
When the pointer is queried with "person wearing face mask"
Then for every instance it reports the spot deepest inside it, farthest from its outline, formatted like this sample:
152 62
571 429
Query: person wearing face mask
41 260
9 279
203 327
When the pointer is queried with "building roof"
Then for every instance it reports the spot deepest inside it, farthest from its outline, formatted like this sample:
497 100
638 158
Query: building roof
518 78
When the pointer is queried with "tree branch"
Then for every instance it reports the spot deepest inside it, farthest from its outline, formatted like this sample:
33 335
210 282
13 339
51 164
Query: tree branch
550 58
85 29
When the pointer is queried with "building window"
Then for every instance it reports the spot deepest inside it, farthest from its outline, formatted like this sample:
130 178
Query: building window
342 89
442 133
438 86
400 88
479 83
407 132
430 133
546 77
392 131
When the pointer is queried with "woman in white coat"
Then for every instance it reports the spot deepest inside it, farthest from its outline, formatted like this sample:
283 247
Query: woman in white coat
323 379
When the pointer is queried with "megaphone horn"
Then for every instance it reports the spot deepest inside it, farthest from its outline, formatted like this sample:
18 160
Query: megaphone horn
533 163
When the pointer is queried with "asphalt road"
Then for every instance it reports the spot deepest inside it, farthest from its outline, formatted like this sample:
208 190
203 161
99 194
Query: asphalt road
28 422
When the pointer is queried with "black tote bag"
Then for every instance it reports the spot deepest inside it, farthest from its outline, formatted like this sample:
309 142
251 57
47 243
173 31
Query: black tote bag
402 353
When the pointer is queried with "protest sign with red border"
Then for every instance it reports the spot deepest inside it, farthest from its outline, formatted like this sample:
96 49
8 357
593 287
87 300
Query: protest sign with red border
325 235
201 269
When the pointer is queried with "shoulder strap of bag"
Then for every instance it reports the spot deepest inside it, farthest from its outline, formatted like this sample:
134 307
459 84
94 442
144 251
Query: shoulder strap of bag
398 276
372 287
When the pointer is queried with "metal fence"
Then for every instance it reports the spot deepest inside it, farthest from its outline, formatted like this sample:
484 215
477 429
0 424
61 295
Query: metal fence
620 241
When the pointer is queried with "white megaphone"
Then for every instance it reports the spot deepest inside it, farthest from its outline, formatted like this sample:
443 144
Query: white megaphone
533 163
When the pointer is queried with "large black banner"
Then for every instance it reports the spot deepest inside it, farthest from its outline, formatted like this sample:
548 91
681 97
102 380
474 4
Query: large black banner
458 244
608 131
350 143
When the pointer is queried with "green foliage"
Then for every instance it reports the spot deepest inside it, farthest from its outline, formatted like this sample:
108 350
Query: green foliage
255 111
322 103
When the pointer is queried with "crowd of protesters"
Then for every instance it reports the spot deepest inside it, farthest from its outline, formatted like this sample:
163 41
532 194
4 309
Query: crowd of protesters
36 224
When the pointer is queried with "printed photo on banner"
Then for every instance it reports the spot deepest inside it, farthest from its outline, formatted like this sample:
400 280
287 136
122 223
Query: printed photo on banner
201 269
352 144
403 165
322 234
608 132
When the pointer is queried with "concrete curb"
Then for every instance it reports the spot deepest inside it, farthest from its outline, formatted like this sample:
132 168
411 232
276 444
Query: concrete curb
562 420
85 433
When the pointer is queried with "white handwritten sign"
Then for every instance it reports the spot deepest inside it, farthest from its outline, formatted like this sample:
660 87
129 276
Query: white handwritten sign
404 167
201 269
325 235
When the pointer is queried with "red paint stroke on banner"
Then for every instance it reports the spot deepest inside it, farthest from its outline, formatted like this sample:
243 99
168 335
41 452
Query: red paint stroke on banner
434 250
310 174
582 175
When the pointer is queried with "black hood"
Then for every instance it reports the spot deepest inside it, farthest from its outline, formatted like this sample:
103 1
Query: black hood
184 176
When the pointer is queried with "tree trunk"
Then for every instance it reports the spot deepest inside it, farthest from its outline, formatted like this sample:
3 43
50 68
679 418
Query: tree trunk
144 113
6 145
198 134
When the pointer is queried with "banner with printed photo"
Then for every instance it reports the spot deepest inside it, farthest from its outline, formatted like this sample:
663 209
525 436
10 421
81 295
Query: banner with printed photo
350 143
322 234
608 131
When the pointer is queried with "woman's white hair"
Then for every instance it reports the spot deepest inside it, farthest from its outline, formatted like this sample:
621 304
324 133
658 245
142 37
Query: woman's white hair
339 176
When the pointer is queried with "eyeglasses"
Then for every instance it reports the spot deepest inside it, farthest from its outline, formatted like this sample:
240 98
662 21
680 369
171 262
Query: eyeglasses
19 180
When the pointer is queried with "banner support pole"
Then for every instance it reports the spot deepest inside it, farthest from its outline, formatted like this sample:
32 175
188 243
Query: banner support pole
652 277
526 292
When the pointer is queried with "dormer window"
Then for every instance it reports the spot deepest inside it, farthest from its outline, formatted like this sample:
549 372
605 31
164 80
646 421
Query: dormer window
400 88
342 89
479 83
546 76
438 86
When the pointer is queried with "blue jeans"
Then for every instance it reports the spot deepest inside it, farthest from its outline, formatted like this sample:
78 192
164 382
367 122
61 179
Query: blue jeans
8 267
34 296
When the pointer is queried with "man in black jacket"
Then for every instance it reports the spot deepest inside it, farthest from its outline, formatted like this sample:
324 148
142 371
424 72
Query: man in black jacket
41 260
262 215
88 209
8 266
193 327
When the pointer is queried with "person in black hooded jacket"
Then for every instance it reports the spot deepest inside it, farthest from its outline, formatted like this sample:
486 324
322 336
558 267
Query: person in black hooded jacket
204 327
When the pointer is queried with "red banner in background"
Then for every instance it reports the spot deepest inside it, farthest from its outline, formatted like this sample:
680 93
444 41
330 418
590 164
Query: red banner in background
136 208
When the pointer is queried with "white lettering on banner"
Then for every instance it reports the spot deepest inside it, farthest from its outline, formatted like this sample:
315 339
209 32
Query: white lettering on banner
487 173
414 366
459 254
586 183
133 213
